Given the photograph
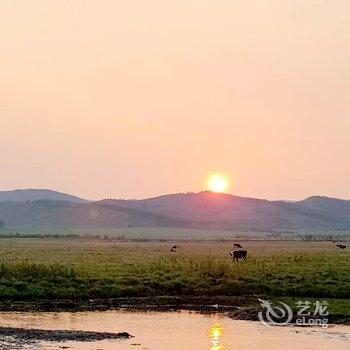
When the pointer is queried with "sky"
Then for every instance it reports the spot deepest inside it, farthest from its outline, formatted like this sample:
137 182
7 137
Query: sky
133 99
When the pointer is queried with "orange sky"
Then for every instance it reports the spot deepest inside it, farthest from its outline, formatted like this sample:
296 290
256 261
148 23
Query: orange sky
134 98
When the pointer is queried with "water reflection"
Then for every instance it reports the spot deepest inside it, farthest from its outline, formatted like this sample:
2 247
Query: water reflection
215 334
191 331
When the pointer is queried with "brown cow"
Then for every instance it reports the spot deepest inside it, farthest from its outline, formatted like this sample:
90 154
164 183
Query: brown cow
239 254
237 245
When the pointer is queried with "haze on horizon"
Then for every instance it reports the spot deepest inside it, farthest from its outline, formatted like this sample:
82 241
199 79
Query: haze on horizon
139 98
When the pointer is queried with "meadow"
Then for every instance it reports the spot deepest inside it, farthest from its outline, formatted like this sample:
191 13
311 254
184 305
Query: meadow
83 269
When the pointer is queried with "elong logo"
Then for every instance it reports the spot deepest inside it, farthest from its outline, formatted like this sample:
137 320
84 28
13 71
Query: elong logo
308 314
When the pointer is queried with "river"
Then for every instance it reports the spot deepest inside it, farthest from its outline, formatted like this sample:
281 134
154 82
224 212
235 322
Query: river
173 331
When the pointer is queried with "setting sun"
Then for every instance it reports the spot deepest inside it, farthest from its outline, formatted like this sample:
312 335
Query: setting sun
217 183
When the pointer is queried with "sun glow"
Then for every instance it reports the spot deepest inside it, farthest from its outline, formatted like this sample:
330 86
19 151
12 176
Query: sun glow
215 333
217 183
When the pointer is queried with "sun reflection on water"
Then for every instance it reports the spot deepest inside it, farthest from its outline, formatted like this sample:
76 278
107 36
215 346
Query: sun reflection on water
215 334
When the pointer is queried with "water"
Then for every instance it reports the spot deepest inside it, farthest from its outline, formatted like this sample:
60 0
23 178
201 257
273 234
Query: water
174 331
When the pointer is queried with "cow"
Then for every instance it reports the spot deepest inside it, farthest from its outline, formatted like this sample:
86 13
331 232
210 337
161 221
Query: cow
239 254
237 245
341 246
173 248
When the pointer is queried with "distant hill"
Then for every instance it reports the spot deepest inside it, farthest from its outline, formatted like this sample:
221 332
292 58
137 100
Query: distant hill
50 209
225 211
64 214
37 194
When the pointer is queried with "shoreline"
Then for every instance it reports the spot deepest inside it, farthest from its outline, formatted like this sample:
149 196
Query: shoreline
237 308
35 334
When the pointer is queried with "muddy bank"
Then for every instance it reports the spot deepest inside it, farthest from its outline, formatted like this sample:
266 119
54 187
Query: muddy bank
162 303
25 334
239 308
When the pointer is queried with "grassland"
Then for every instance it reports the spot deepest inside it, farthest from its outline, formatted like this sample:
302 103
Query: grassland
78 270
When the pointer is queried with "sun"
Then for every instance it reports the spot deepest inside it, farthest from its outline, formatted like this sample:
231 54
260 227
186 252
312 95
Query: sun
218 183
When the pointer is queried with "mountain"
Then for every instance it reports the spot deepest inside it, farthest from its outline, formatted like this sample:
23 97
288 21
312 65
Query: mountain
225 211
65 214
206 210
37 194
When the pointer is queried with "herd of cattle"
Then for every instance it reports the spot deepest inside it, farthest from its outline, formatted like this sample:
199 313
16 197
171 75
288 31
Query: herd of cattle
236 254
241 253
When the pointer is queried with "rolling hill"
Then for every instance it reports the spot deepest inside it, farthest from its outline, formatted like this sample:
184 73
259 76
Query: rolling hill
225 211
205 210
65 214
37 194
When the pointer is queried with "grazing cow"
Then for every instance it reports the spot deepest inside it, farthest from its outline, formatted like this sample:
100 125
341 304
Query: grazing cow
341 246
237 245
173 248
239 254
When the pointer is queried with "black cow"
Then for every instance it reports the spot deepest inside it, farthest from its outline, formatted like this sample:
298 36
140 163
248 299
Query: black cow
341 246
239 254
237 245
173 248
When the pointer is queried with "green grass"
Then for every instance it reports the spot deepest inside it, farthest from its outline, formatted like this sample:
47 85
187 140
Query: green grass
73 269
174 233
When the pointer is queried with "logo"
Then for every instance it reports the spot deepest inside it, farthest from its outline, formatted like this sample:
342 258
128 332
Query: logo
281 314
275 315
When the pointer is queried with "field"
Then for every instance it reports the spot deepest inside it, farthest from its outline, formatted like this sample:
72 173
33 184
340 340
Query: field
34 269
